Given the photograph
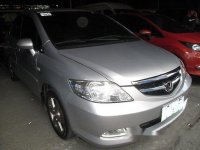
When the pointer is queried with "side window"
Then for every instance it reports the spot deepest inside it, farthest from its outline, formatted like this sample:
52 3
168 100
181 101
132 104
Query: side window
16 28
29 31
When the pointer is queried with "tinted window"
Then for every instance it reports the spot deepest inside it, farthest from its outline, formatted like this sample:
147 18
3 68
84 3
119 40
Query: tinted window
81 28
168 24
29 31
135 24
16 28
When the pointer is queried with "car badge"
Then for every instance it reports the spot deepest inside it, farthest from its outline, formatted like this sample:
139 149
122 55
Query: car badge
168 86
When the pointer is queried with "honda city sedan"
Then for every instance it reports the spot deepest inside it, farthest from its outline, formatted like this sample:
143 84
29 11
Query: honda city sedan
96 79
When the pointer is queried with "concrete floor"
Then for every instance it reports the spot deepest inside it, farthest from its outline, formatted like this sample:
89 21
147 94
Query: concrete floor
24 124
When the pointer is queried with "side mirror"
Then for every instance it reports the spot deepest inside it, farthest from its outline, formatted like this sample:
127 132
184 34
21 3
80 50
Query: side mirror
145 33
25 44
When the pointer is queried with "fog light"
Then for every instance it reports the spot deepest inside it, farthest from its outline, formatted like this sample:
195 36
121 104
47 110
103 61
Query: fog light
115 133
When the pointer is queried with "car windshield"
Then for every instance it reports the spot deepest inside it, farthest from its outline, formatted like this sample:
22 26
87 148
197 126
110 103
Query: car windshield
168 24
77 29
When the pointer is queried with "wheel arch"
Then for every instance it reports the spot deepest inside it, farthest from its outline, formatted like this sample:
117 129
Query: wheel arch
48 89
44 90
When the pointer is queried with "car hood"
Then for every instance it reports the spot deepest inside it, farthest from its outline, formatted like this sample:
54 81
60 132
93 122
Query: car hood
193 37
123 63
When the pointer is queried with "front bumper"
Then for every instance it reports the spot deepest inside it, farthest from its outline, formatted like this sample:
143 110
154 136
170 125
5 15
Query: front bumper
90 120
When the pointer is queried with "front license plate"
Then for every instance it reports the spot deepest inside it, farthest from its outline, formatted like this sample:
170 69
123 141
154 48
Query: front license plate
173 107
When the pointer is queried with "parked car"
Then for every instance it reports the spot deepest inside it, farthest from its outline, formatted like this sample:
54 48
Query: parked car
95 77
168 34
108 8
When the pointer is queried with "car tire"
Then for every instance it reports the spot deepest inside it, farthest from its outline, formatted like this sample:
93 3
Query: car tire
11 69
57 117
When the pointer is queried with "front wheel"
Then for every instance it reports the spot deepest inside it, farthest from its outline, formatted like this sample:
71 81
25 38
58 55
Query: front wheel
57 117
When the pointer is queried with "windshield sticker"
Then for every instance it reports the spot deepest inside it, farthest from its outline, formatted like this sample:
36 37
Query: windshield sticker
82 22
45 14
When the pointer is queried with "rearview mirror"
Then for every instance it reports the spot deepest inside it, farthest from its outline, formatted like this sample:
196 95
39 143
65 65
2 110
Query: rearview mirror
25 44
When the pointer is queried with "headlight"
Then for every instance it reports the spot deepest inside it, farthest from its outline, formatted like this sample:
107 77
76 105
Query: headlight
193 46
102 92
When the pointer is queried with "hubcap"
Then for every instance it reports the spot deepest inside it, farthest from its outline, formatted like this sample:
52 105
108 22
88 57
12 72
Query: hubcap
56 115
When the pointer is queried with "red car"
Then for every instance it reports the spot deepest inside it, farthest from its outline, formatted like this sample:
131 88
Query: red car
168 34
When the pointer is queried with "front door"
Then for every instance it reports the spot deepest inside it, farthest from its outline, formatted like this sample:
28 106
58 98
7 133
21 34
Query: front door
29 71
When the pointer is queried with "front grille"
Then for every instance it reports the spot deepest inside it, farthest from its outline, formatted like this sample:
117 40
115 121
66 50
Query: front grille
160 85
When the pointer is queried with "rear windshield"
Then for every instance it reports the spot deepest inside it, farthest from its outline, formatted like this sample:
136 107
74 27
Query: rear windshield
77 29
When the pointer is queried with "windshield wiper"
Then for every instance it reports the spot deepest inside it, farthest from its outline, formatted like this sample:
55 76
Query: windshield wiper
99 38
70 41
110 37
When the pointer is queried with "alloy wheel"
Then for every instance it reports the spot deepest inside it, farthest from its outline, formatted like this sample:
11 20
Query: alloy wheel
56 116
